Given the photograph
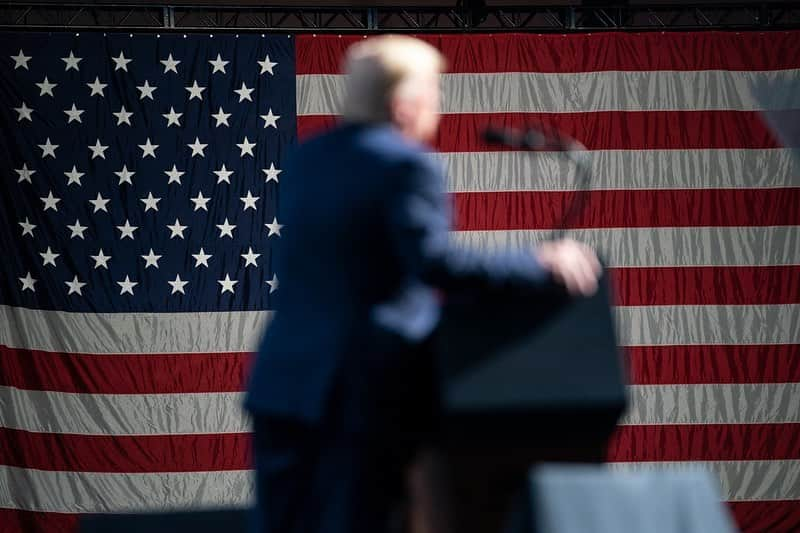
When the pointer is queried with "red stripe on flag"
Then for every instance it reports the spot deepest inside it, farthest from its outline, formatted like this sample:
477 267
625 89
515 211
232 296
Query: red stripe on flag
779 516
602 130
705 442
322 54
627 208
21 521
176 374
232 451
617 130
713 363
124 453
123 374
311 125
692 285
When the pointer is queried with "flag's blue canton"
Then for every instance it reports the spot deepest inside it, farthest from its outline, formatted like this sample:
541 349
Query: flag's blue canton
96 166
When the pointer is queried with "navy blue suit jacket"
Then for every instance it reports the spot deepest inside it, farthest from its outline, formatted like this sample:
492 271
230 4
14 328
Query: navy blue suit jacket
365 247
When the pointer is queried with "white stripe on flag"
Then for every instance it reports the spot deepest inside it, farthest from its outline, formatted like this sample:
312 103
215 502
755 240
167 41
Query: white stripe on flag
90 492
534 92
193 413
131 333
739 480
658 247
623 170
708 324
713 404
122 414
162 333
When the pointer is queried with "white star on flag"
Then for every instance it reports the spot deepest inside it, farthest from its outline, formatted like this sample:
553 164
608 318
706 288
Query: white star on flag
28 281
226 229
71 61
48 148
24 173
148 149
223 174
195 91
177 285
274 228
201 258
197 147
127 285
150 202
27 227
46 87
21 60
221 117
126 230
146 90
74 114
48 257
174 175
176 230
270 119
246 147
200 201
97 87
50 202
75 286
74 176
99 204
218 64
76 229
249 201
151 259
267 65
227 284
170 64
250 257
271 173
125 175
172 117
98 150
24 113
120 62
273 283
123 115
244 93
101 259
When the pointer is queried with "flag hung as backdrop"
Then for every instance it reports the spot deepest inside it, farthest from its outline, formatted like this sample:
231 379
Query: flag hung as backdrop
141 176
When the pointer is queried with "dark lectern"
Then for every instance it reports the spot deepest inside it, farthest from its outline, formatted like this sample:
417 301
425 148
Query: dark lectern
522 385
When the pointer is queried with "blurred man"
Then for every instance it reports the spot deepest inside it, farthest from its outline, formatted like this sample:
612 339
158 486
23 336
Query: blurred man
343 393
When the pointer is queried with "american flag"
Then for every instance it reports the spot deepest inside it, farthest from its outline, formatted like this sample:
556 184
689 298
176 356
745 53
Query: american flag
141 180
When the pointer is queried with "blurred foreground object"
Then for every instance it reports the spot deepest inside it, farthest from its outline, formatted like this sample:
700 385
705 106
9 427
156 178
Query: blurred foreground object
587 499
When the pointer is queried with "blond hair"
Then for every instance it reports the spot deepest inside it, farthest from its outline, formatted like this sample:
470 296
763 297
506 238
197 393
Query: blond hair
379 68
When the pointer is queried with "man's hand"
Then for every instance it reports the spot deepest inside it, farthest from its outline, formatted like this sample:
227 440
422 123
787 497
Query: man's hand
573 264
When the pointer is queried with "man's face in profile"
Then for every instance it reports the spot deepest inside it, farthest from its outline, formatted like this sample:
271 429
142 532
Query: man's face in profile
416 109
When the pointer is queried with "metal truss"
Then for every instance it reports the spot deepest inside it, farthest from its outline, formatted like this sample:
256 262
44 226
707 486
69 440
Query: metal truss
466 16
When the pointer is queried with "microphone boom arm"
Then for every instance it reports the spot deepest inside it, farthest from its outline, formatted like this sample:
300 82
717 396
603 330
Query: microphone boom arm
534 140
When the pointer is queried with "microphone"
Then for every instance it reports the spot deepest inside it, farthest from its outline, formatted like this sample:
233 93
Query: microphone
537 141
530 139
